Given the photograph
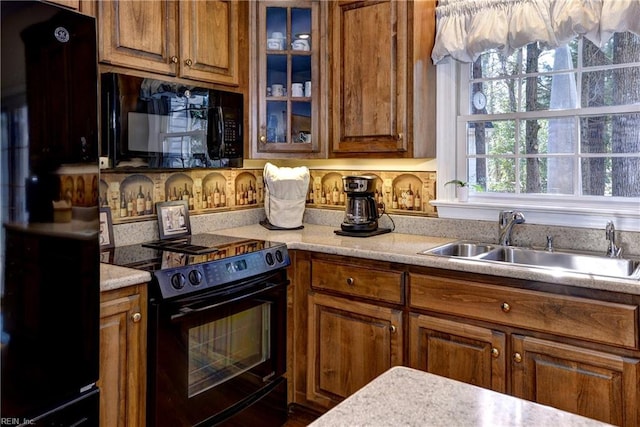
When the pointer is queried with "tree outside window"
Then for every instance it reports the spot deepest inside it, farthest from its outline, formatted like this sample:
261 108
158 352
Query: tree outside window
556 121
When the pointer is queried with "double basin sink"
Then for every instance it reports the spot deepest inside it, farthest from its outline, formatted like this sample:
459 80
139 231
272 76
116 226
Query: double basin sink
578 262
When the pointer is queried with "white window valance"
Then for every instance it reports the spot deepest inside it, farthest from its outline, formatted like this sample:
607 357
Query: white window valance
467 28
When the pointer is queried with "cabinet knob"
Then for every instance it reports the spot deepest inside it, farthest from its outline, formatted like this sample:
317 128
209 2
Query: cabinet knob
399 136
263 138
136 317
517 357
505 307
495 353
174 59
188 63
393 329
350 281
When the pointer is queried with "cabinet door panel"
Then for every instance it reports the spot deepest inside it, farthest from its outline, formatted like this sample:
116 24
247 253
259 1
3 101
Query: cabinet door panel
139 34
123 358
458 351
208 41
369 76
586 382
350 343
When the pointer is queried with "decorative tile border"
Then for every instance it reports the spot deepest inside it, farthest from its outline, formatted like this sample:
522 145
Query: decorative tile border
132 196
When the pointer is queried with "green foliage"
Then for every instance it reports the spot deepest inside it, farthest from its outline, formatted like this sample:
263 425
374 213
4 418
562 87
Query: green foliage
457 183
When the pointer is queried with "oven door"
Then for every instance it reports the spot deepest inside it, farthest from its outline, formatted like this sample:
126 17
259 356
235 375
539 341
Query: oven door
216 356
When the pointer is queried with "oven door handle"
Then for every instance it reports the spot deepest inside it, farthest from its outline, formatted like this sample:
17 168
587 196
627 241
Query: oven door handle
184 311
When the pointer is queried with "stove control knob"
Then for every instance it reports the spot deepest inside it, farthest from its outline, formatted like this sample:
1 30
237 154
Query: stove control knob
279 256
178 281
269 258
195 277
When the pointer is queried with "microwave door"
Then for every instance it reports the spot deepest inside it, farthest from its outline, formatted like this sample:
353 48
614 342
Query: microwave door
216 144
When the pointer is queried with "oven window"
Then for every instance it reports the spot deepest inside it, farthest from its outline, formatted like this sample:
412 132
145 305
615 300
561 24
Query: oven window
224 348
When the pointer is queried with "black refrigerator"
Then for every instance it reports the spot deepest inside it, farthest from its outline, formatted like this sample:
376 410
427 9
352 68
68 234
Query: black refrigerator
49 251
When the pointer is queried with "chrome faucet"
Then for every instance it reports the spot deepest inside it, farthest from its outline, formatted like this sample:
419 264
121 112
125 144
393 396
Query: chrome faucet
506 221
613 250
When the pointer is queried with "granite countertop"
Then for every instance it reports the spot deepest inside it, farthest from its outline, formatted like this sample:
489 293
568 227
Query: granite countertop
404 396
399 248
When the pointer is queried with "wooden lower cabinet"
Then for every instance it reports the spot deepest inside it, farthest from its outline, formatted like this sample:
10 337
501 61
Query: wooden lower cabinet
459 351
123 352
350 343
453 341
595 384
574 349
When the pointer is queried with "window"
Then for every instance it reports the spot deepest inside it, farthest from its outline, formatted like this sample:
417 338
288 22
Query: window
559 121
548 129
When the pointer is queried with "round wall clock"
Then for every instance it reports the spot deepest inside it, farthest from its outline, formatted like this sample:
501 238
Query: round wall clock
479 100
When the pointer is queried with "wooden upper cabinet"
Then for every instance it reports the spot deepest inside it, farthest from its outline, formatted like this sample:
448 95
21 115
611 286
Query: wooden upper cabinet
381 76
191 39
209 40
138 34
286 72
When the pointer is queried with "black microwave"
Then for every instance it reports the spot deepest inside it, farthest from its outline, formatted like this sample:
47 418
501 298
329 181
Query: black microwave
161 124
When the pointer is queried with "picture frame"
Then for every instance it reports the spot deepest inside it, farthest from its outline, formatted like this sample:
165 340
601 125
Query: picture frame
106 229
173 219
107 255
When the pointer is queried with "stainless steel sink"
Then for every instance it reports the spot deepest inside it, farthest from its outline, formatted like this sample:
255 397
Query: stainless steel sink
588 263
461 248
581 263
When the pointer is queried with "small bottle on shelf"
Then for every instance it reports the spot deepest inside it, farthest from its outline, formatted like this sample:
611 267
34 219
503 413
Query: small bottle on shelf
216 196
123 205
335 194
148 204
409 200
140 202
130 205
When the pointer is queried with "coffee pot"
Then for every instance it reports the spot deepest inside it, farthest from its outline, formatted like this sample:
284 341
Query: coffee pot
361 210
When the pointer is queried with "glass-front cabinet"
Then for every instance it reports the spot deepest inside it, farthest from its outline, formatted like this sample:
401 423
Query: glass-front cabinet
286 79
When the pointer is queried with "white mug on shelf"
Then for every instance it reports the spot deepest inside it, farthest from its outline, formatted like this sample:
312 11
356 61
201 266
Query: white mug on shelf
307 89
277 90
301 44
296 89
274 44
276 41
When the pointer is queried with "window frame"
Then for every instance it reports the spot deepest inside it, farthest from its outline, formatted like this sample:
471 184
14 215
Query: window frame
584 212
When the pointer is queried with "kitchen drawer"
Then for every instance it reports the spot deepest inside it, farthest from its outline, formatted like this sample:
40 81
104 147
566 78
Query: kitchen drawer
358 280
601 321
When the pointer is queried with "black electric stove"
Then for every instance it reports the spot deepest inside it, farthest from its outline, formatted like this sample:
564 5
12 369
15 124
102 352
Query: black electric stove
193 264
216 331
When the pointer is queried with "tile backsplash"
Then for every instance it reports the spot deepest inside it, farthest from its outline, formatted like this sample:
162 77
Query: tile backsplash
132 196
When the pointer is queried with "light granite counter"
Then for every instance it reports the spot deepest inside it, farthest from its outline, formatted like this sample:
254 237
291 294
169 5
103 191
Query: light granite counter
408 397
402 248
115 277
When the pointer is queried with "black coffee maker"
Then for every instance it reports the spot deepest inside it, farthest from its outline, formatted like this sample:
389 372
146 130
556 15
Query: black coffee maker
361 212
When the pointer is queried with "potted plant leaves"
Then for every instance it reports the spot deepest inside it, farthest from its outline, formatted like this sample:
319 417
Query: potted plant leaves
462 189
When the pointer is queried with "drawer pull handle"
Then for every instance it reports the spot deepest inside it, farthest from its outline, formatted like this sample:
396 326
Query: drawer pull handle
505 307
393 329
517 357
136 317
174 59
350 281
188 62
495 353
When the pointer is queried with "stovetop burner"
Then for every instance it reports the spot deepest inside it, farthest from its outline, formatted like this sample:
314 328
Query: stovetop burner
196 244
202 261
